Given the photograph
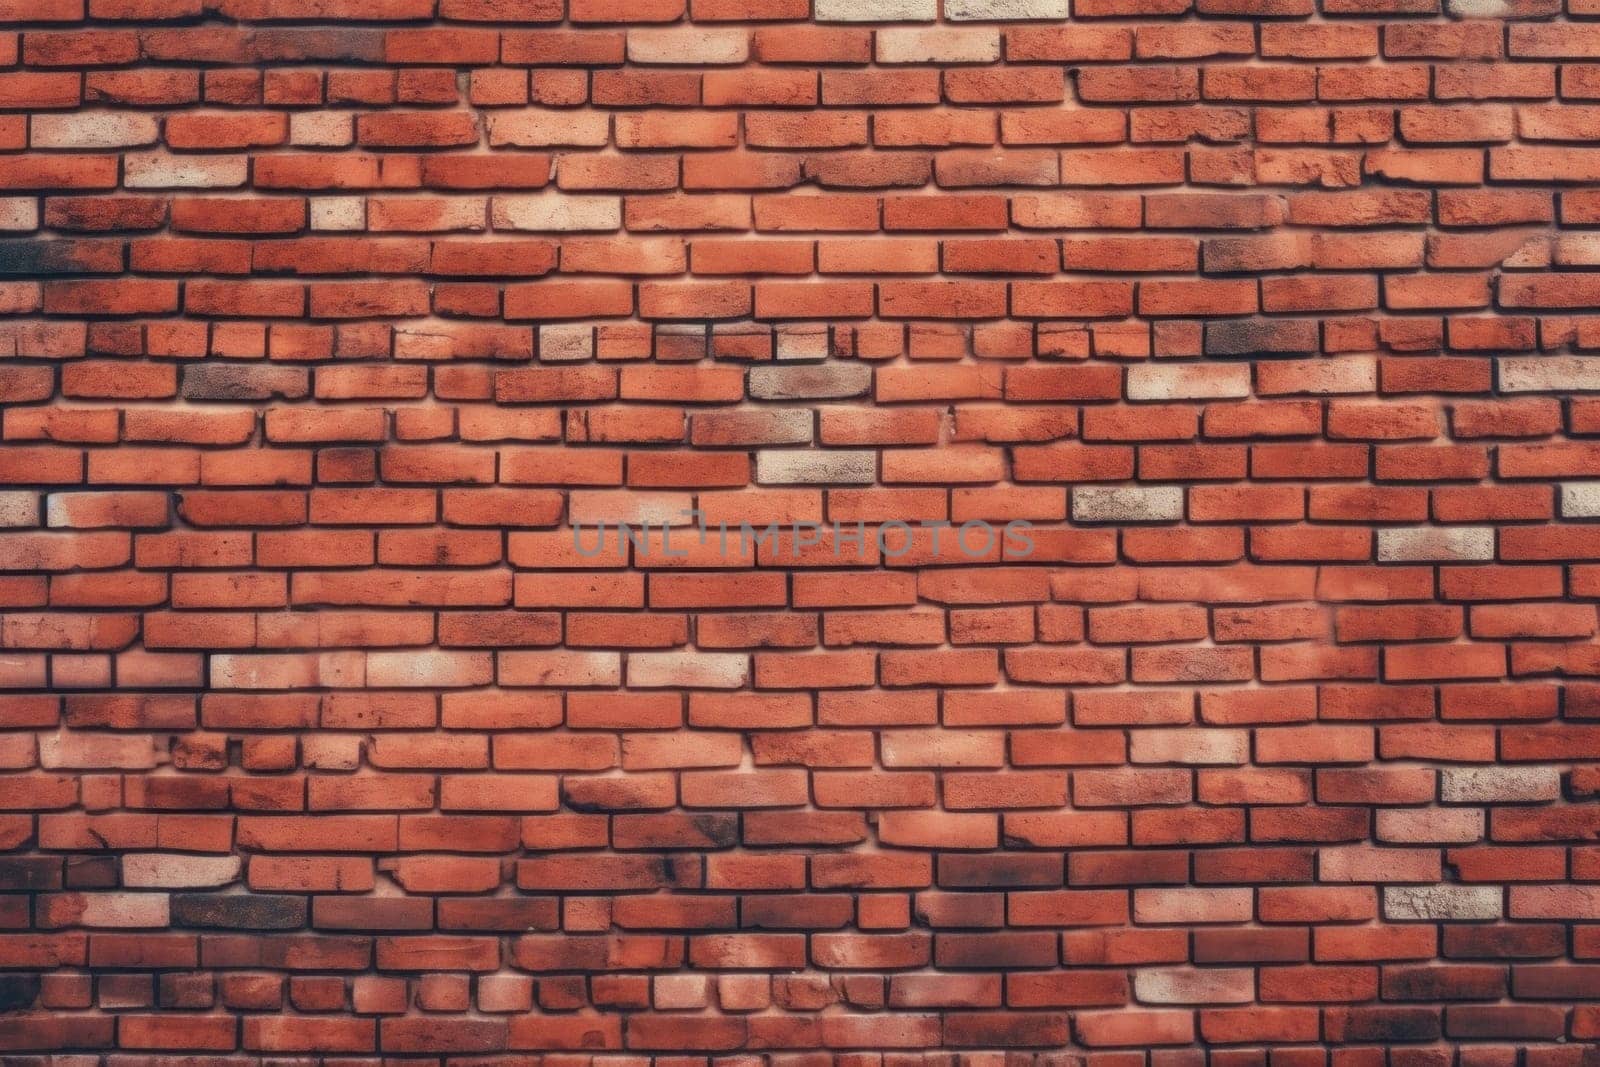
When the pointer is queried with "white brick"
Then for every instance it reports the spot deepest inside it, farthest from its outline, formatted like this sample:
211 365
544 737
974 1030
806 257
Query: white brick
159 170
1549 374
556 212
1436 544
1580 500
816 382
94 129
322 129
19 213
19 508
816 468
1175 985
1192 381
942 45
877 10
691 670
166 870
1493 785
1005 9
340 213
565 341
688 45
1440 902
540 129
1128 503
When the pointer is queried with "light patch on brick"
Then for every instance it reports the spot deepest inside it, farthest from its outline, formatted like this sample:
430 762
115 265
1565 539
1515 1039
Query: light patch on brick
689 670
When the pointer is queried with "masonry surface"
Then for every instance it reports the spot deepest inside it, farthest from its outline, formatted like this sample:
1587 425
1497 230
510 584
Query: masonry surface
325 321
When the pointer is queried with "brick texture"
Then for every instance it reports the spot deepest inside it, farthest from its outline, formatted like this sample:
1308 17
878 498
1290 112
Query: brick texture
323 741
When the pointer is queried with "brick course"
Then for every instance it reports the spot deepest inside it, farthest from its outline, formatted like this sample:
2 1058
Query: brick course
325 323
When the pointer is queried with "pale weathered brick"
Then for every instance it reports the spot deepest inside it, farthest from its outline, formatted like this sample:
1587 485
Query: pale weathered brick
19 507
338 213
160 170
1130 503
1456 543
164 870
549 128
1006 9
1438 903
1549 374
1190 746
876 10
18 213
814 382
112 910
689 45
565 341
1498 785
801 341
690 670
322 129
1580 500
1209 381
556 212
787 467
93 129
942 45
1209 985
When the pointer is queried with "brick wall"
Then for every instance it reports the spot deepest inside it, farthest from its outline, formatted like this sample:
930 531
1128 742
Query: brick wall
321 740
